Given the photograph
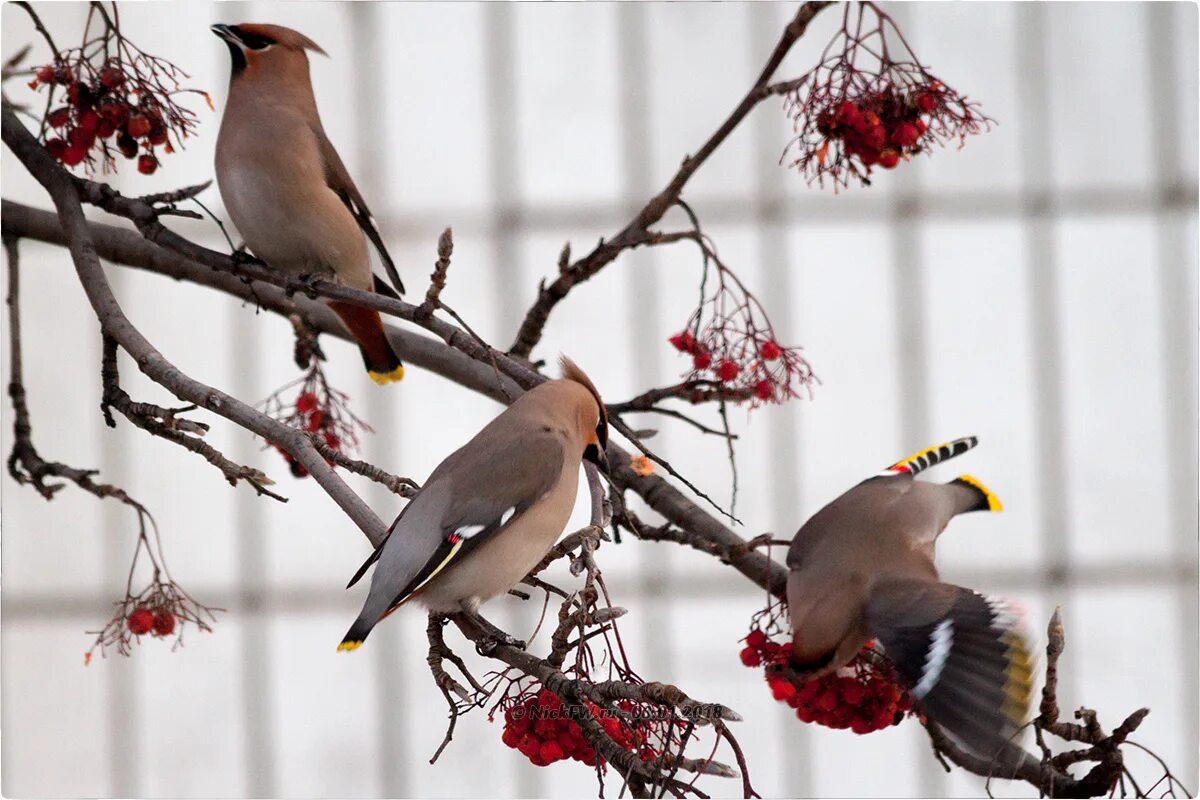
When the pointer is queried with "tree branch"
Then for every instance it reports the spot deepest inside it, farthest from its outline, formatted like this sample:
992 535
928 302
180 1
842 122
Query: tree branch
637 232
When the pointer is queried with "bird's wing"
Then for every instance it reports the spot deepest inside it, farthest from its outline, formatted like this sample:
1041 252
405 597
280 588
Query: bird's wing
485 487
965 658
338 179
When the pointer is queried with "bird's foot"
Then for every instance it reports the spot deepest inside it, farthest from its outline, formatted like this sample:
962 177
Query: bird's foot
306 284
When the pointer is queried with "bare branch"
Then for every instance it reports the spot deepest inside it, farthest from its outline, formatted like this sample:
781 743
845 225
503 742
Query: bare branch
637 232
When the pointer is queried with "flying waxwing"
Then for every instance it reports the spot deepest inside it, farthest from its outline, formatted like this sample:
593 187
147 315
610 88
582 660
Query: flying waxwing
287 190
862 568
493 509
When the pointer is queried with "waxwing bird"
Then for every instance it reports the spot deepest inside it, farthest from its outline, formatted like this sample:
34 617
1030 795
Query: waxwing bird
491 510
862 568
286 188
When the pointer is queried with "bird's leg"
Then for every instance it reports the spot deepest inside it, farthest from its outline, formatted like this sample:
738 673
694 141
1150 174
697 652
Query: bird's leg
470 610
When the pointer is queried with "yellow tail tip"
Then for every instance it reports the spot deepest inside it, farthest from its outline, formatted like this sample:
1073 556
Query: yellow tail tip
384 378
993 502
348 646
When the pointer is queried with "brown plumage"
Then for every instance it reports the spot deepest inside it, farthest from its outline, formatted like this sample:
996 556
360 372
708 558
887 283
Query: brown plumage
492 509
285 187
862 568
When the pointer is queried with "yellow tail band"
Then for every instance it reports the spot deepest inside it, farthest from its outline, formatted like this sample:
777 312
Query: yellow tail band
348 646
993 502
384 378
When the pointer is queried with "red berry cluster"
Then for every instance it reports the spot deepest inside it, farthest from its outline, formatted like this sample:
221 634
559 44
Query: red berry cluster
871 102
318 409
142 621
880 127
102 106
541 728
756 365
862 696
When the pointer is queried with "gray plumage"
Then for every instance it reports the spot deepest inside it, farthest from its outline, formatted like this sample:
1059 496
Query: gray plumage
863 568
491 510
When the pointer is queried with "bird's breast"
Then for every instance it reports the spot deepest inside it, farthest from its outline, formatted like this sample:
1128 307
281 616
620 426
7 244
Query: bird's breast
288 217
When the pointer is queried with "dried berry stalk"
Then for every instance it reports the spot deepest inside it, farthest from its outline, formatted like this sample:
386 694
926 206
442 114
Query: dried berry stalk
161 609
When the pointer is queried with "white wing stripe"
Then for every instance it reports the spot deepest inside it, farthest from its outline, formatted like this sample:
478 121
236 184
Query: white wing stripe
935 660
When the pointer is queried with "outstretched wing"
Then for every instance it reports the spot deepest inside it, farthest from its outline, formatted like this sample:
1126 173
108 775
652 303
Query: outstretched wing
338 179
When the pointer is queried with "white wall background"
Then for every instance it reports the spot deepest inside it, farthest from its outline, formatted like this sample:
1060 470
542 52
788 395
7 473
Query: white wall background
1037 288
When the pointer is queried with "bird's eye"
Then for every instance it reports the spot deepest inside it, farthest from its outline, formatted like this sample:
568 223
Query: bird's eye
253 41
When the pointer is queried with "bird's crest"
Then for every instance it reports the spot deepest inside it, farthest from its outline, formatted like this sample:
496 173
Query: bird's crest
282 36
572 372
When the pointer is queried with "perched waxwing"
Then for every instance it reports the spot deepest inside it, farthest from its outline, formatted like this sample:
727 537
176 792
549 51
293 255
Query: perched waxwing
862 568
493 509
287 190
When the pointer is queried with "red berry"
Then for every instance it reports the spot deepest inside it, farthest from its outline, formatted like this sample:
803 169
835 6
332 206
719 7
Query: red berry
763 390
137 126
114 110
727 370
298 469
782 688
81 138
926 102
80 95
551 752
44 74
827 701
127 145
63 75
847 114
861 726
851 691
111 77
510 737
888 159
56 148
140 621
59 117
147 163
921 127
770 351
905 135
106 129
306 402
89 121
756 639
74 155
868 156
750 657
164 623
158 133
875 137
701 360
805 714
683 342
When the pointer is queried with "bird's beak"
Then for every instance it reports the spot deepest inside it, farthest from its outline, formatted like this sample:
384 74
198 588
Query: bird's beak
225 33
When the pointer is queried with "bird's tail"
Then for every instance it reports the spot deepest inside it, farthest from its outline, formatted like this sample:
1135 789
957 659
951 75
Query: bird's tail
383 365
924 459
356 635
964 657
